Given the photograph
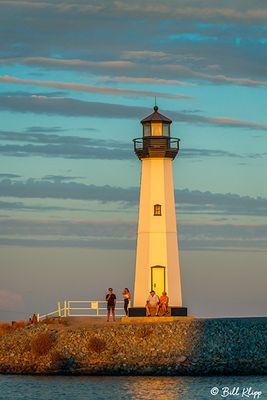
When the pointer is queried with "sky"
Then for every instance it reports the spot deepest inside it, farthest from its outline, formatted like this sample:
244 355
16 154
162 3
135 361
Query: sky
76 78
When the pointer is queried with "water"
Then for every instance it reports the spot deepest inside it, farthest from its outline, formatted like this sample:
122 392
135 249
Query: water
127 388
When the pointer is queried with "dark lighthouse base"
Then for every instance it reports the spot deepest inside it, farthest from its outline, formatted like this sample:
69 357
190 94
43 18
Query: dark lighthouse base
173 312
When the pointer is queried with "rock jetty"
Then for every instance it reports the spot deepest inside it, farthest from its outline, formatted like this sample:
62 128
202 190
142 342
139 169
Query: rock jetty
180 347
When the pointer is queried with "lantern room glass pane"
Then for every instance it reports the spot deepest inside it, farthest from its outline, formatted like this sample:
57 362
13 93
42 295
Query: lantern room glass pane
147 130
166 129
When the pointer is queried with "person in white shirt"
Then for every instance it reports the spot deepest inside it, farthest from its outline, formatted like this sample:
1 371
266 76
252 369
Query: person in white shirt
152 303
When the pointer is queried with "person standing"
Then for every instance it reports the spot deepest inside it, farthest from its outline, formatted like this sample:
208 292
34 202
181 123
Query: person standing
126 295
111 303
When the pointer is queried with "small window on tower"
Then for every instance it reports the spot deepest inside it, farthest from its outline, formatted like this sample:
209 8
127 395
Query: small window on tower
157 209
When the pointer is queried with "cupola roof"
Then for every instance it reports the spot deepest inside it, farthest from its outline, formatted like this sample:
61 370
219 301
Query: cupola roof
156 116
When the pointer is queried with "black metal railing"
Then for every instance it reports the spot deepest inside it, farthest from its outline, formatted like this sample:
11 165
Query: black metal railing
156 146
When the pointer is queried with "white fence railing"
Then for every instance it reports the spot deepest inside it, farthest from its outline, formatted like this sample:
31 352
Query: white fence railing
83 308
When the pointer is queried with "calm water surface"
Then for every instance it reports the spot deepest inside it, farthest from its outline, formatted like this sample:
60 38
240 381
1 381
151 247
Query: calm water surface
147 388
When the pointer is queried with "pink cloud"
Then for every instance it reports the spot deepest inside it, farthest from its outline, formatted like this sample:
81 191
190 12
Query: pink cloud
9 299
144 80
89 88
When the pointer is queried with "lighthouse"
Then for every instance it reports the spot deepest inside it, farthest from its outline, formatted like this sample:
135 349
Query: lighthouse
157 259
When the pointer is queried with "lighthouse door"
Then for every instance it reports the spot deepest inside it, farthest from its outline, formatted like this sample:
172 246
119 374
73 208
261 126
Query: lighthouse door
158 279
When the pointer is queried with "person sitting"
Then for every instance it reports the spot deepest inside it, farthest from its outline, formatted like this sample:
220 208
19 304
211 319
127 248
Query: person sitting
152 303
163 303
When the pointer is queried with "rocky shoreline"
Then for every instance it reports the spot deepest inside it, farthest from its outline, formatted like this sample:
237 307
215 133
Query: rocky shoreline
183 347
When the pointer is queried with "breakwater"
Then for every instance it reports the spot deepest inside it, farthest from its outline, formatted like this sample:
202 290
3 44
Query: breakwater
179 347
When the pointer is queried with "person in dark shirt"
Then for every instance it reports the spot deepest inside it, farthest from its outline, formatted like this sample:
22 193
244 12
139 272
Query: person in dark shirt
111 302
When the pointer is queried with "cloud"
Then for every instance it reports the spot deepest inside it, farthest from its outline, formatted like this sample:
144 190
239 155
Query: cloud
67 190
224 231
60 178
74 107
71 63
221 79
126 229
9 176
171 65
216 203
129 244
81 228
143 80
89 88
121 234
20 206
43 129
9 299
134 39
187 201
207 10
77 147
241 10
109 243
33 135
66 151
50 129
146 54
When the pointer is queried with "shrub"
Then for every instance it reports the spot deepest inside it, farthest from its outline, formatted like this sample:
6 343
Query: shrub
97 345
42 344
18 324
5 328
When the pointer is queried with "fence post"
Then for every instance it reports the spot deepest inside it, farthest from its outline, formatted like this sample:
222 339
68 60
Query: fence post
38 317
59 309
68 308
65 308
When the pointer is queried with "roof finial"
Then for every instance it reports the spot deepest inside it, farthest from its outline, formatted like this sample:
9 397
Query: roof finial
156 107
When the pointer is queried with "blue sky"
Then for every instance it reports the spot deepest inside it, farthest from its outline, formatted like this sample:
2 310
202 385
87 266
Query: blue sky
75 80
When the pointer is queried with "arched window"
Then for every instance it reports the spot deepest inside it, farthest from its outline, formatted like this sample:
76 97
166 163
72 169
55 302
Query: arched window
157 210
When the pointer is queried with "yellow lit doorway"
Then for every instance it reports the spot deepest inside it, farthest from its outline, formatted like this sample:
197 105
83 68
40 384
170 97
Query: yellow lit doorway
158 279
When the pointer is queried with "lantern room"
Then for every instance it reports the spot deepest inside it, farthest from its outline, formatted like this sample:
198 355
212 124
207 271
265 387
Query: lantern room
156 124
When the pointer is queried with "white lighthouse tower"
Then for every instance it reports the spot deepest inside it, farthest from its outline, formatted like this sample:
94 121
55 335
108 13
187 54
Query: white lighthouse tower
157 260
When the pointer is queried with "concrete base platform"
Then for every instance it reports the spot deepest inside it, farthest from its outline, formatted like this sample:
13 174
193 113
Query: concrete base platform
133 320
172 312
